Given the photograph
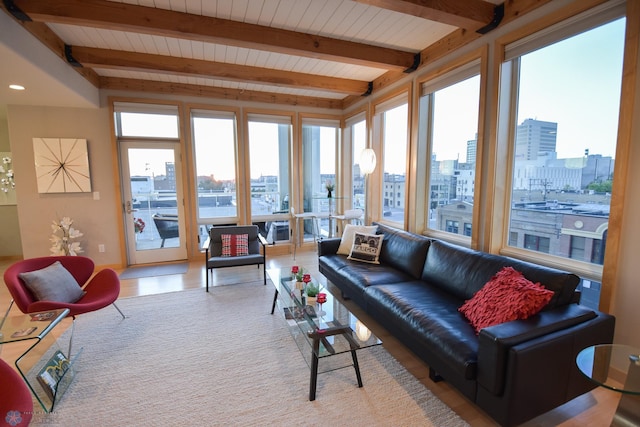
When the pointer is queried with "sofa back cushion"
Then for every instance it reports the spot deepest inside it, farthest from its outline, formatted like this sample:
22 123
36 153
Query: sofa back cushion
403 250
463 272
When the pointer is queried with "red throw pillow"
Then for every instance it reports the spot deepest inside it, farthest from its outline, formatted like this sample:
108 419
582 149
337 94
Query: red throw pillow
507 296
235 244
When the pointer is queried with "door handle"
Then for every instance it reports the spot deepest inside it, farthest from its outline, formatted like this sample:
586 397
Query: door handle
129 207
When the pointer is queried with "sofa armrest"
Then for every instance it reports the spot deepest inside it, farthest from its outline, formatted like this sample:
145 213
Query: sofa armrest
328 246
495 342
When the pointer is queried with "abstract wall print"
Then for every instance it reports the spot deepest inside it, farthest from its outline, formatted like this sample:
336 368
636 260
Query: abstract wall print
62 165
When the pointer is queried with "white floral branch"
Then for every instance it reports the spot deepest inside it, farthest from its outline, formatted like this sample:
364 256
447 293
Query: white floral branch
63 234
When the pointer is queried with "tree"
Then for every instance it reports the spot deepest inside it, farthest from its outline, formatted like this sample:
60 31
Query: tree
601 186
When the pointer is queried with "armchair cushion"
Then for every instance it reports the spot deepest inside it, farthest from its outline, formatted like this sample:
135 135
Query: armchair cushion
53 283
235 245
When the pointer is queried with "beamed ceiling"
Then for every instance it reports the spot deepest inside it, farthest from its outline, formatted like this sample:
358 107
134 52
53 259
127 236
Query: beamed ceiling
318 53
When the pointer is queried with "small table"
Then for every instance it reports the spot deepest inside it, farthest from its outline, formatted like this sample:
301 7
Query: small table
610 365
45 369
328 330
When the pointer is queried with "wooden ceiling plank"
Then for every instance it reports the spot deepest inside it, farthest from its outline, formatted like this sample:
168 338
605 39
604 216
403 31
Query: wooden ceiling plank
128 17
105 58
150 86
467 14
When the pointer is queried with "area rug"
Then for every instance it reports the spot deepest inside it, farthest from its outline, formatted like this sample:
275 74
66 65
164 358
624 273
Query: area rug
154 270
221 359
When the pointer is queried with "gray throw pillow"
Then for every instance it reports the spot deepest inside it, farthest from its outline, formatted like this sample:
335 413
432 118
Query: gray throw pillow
53 283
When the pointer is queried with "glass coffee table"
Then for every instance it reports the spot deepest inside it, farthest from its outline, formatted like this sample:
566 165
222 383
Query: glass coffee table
45 368
320 330
616 367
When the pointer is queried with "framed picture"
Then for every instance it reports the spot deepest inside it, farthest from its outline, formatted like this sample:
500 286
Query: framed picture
62 165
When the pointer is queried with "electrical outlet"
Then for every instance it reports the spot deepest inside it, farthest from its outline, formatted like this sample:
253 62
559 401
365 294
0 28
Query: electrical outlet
101 248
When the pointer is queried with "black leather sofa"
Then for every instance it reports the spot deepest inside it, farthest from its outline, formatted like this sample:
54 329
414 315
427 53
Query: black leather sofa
515 370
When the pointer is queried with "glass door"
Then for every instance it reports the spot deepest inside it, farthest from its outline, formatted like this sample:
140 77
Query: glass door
153 202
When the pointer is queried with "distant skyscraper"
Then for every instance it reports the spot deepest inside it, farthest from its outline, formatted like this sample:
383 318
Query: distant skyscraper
472 149
534 137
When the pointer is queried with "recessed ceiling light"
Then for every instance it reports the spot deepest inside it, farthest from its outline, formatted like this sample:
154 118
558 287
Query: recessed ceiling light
16 87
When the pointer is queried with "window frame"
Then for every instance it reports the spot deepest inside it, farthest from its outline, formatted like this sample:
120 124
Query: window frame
377 179
539 35
214 113
473 63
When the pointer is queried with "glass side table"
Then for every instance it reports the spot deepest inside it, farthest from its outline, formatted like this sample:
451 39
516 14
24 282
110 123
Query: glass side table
616 367
45 368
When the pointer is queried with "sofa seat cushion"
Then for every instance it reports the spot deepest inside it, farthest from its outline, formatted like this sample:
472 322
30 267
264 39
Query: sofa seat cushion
225 261
353 277
430 316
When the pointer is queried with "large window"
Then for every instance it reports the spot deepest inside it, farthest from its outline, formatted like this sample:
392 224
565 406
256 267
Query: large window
157 121
564 140
358 135
393 119
319 142
449 107
214 142
269 141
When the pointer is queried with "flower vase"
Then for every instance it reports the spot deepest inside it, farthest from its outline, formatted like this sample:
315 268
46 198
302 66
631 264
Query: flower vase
329 194
299 285
311 301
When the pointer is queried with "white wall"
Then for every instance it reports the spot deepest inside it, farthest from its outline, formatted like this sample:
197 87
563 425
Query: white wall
97 219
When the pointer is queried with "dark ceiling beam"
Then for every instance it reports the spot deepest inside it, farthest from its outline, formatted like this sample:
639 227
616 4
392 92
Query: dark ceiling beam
124 60
467 14
161 22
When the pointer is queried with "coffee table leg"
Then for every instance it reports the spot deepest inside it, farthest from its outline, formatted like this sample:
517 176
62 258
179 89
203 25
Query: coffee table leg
313 380
356 366
275 298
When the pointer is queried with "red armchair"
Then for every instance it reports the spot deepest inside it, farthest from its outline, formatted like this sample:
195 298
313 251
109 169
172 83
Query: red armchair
100 290
16 404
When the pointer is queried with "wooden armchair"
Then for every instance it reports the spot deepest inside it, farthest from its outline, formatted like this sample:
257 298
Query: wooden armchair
220 250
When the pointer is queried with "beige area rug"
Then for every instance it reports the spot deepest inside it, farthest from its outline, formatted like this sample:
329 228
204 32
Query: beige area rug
154 270
193 358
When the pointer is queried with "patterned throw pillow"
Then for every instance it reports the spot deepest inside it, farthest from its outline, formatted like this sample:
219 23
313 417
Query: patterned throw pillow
507 296
366 247
349 233
235 244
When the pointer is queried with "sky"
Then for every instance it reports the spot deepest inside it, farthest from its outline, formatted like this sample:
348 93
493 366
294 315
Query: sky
582 95
575 83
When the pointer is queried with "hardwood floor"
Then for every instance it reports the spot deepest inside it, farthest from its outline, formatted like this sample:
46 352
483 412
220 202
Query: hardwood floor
594 409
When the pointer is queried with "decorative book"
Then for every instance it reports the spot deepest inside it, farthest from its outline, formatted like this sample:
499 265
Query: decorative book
51 374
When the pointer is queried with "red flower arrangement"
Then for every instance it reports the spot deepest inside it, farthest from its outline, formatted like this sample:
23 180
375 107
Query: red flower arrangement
138 225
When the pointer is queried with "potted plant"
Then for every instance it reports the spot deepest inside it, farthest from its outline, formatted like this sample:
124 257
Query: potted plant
311 290
297 274
329 186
